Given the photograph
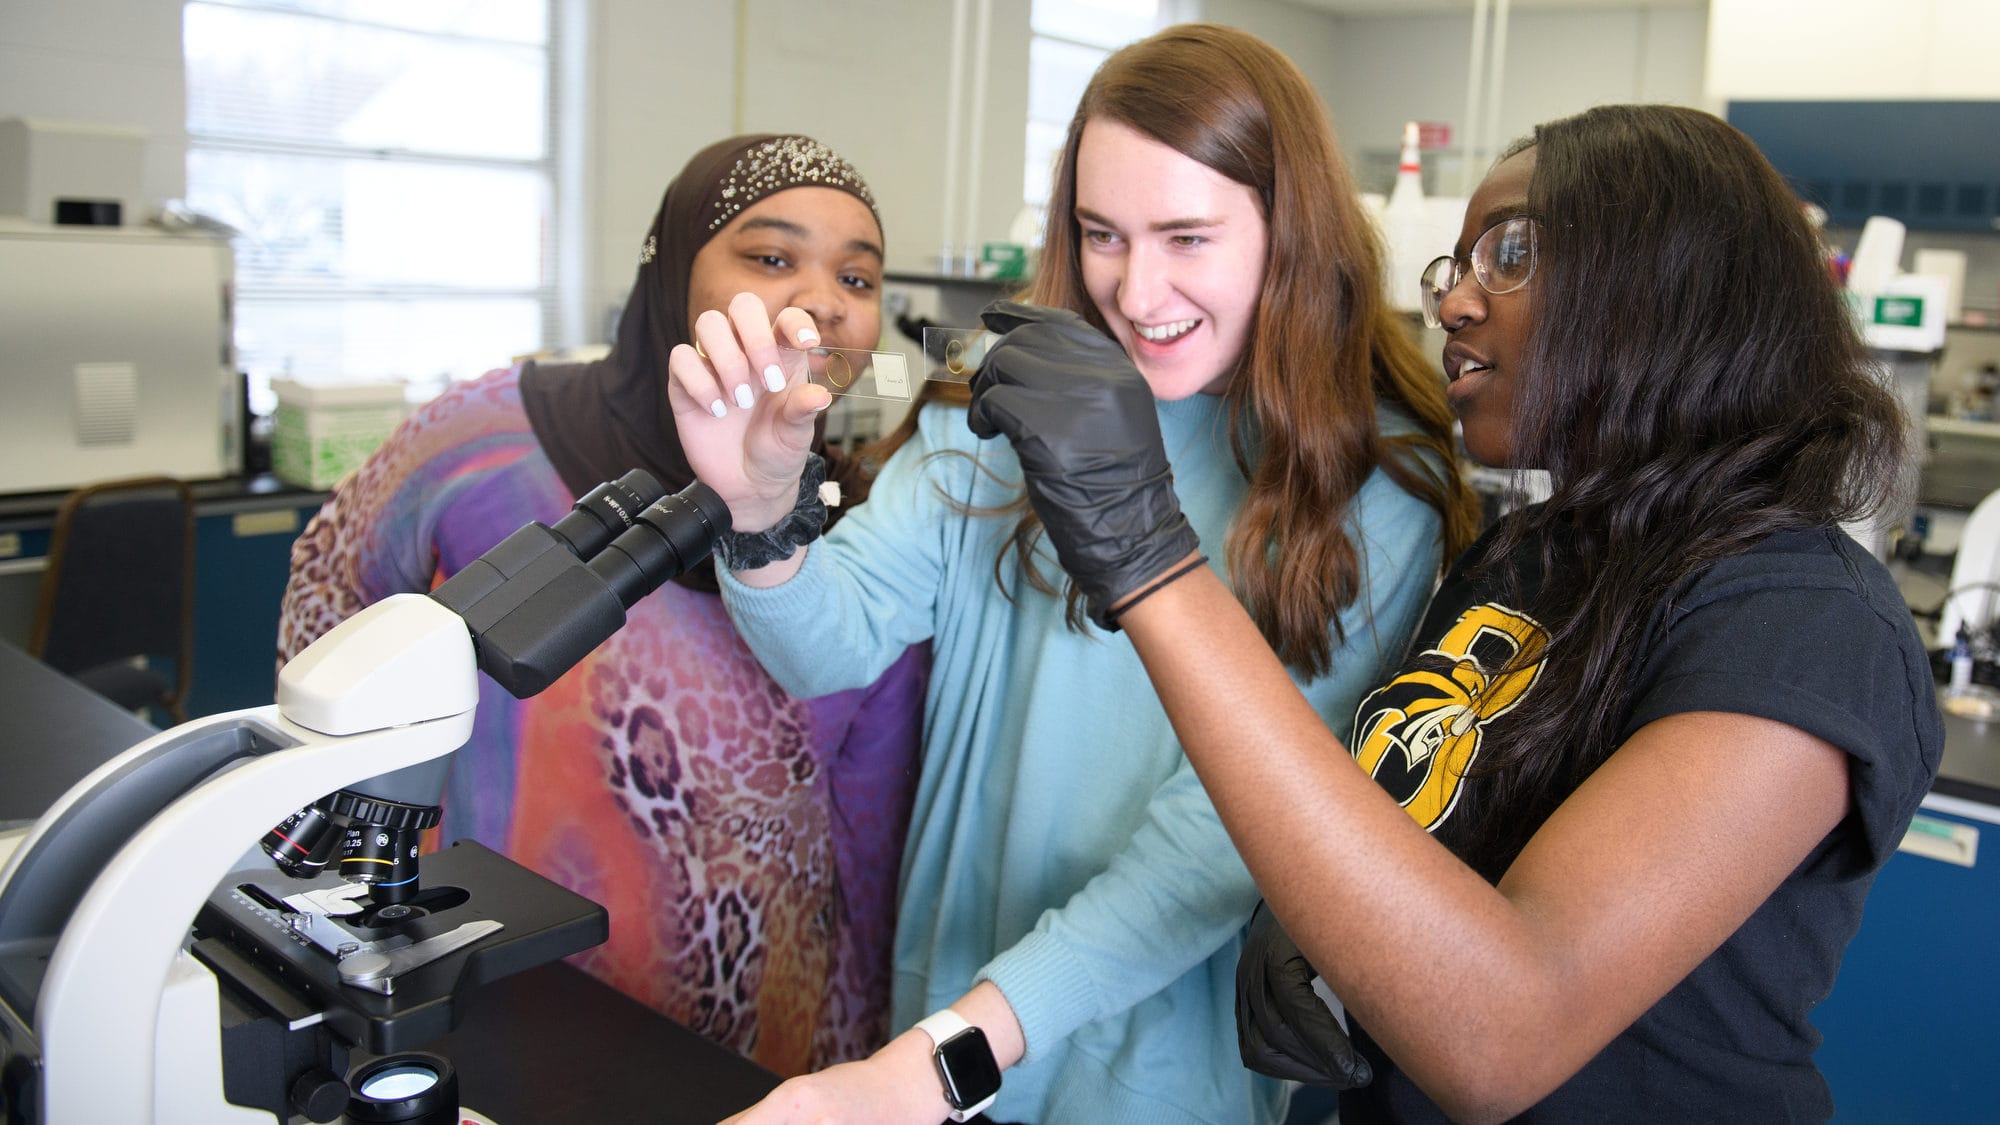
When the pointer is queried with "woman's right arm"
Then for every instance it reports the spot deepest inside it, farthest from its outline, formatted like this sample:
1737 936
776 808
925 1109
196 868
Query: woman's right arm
1487 996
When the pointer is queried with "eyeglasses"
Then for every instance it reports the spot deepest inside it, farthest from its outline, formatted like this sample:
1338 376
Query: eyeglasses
1502 260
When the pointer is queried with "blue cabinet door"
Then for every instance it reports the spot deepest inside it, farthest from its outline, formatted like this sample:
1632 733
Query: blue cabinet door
1913 1026
242 558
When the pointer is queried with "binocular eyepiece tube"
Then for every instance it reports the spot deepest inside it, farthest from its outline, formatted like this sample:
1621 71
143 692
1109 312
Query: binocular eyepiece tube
535 604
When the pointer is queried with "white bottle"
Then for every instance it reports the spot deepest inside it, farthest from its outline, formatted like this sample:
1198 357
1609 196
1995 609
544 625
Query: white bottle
1405 225
1961 663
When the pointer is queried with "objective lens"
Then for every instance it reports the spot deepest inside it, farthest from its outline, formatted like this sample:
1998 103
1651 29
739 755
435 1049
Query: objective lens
303 842
383 858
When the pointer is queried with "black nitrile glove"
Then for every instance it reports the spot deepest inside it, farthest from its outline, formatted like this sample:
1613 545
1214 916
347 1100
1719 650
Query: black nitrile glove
1082 421
1282 1028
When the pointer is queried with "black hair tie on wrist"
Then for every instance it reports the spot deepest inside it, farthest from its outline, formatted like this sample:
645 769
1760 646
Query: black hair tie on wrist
740 550
1173 576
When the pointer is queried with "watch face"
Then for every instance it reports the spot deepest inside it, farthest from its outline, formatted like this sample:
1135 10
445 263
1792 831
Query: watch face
965 1062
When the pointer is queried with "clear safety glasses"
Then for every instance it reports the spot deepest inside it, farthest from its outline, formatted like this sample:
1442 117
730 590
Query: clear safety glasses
1502 260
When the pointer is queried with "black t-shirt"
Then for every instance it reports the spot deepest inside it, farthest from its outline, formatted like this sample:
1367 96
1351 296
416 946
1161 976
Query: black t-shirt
1807 629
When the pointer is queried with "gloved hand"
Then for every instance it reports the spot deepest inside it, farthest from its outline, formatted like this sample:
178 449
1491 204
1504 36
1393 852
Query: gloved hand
1082 421
1282 1028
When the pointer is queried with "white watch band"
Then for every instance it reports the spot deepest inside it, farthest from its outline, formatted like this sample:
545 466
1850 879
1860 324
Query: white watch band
940 1026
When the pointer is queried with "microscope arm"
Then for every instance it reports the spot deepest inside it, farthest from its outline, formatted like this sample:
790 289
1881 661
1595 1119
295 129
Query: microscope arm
404 666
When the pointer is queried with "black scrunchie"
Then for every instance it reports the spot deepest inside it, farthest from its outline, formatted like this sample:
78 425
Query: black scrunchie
749 550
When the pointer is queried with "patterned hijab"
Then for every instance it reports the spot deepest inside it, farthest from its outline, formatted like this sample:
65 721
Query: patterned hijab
598 420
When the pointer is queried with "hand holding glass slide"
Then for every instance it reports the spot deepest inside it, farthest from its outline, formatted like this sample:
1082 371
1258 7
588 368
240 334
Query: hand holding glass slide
743 409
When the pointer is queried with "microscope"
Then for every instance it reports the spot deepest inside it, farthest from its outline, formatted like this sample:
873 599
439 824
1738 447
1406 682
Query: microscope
205 928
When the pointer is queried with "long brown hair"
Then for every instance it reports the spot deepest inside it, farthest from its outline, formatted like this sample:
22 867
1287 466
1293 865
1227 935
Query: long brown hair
1325 347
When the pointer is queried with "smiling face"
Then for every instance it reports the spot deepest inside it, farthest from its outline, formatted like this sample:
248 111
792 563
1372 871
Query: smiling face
1172 255
1487 334
814 247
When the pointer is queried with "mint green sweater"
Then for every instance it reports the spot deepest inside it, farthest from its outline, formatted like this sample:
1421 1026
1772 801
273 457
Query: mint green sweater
1061 845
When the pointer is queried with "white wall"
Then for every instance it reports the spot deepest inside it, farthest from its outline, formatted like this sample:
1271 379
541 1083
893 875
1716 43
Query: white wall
868 77
101 62
1401 68
1942 50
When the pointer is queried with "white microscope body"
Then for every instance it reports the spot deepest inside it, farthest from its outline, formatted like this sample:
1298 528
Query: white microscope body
128 1019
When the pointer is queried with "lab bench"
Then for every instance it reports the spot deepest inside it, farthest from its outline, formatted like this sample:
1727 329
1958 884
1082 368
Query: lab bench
244 528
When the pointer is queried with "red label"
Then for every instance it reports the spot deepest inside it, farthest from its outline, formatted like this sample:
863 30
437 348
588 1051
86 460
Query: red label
1433 134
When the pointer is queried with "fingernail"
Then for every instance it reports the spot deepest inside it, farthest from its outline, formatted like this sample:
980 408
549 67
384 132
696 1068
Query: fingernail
716 408
822 406
808 337
743 398
774 379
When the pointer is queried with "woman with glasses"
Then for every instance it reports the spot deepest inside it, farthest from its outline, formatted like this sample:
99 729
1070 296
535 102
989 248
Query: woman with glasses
1615 818
1068 889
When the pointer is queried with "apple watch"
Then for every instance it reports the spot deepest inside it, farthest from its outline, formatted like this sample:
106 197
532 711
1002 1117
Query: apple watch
964 1062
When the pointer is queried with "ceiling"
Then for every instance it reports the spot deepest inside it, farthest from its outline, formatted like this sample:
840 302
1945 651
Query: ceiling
1448 7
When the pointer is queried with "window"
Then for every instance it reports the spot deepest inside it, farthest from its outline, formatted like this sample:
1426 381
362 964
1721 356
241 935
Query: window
1071 37
389 168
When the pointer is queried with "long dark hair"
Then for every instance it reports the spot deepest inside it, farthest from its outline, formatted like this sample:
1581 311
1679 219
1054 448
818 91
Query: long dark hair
1325 348
1694 384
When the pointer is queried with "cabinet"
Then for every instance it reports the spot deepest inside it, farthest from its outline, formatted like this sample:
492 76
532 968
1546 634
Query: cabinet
242 556
1930 164
1913 1026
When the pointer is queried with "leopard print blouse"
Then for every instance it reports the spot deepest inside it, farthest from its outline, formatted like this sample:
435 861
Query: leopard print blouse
745 842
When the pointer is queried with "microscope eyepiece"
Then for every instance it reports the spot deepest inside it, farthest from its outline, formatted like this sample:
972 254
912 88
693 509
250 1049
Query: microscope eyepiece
599 515
672 535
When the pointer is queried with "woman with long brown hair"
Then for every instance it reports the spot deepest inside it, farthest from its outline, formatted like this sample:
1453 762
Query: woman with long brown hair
1070 906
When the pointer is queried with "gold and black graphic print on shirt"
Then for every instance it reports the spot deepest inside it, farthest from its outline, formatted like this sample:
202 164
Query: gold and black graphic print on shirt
1417 734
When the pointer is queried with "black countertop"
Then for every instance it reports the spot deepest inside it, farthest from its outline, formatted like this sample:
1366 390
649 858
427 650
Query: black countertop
53 731
1971 768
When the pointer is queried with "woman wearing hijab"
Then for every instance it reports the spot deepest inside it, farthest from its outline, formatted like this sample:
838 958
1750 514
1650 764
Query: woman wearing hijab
746 842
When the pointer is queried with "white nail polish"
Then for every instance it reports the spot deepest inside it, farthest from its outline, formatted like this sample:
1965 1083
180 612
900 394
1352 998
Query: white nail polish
774 379
808 337
716 408
743 398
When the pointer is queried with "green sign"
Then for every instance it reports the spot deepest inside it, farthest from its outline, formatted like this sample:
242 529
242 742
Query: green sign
1901 312
1010 257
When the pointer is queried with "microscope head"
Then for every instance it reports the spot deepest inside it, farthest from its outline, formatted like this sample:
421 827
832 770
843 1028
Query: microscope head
531 608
